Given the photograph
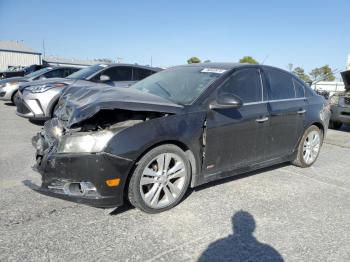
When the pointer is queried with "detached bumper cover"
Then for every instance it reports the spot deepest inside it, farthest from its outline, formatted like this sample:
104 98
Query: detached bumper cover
59 169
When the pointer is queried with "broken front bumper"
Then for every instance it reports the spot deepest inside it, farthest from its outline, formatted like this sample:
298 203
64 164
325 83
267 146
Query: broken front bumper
81 178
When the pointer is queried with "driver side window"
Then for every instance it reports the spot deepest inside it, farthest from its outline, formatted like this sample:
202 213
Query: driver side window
245 84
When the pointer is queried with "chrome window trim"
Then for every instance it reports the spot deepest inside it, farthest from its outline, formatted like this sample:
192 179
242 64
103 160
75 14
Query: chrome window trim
262 86
273 101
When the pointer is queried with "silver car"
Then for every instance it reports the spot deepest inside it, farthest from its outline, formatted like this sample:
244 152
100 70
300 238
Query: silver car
9 86
39 100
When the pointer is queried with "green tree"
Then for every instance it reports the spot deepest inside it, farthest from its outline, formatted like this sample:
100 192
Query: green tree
193 60
248 60
323 73
300 72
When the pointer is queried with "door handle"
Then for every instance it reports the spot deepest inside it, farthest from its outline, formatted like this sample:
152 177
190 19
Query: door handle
302 111
262 120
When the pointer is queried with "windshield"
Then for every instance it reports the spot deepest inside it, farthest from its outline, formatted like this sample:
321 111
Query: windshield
86 72
39 72
181 85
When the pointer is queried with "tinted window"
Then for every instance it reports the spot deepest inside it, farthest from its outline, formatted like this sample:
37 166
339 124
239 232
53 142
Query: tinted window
140 73
281 85
245 84
118 73
299 88
55 73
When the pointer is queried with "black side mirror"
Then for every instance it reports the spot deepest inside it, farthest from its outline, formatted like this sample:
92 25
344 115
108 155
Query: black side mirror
226 100
104 78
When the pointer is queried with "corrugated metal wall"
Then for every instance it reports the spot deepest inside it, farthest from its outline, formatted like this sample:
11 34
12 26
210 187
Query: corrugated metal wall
18 59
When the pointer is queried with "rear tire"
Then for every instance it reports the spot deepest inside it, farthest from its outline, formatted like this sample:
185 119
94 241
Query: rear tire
309 147
160 179
335 125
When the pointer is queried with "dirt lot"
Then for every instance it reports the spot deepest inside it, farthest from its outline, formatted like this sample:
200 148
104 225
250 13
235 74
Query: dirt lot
278 213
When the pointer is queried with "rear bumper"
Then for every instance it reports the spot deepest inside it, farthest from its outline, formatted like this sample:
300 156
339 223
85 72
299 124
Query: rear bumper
60 170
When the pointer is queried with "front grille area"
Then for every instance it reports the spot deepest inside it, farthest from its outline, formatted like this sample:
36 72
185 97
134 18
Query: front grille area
21 107
347 100
345 113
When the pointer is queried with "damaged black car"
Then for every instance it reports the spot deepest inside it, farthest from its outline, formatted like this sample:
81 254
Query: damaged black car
179 128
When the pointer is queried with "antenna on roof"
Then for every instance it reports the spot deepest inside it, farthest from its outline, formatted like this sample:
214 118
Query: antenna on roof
266 57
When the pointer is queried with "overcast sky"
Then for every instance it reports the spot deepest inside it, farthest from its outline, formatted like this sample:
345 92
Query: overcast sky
304 33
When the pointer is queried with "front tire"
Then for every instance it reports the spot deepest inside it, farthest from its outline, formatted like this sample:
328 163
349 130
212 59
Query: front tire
309 147
160 179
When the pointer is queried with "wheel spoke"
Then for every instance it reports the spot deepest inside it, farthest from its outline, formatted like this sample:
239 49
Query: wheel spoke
167 159
177 167
147 180
150 172
155 198
160 161
173 189
150 194
168 194
178 174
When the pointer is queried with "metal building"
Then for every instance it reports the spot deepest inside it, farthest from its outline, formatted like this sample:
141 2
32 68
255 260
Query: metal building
13 54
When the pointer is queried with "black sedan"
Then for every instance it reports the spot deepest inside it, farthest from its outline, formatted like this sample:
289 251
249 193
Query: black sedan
179 128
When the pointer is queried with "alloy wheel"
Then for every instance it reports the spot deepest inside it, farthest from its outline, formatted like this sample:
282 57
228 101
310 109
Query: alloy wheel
163 180
311 147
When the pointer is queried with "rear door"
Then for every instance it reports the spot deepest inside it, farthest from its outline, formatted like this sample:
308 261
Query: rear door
287 106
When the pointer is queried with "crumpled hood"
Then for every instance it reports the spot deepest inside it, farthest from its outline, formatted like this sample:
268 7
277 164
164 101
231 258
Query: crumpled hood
79 103
25 85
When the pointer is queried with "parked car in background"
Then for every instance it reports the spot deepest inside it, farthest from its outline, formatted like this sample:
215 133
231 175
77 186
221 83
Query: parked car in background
340 104
9 86
184 126
38 100
21 71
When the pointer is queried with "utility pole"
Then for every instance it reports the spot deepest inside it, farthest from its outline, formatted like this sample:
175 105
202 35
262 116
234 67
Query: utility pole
151 61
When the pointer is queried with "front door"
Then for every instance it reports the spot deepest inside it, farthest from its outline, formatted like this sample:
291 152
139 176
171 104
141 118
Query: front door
235 137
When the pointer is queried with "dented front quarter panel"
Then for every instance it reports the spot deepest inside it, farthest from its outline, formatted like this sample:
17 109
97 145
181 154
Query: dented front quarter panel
183 129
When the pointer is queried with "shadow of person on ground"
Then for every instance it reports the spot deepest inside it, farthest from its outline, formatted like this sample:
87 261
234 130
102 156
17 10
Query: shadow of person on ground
241 245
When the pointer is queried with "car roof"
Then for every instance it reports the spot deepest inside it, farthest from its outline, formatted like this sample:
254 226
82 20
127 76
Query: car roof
133 65
218 65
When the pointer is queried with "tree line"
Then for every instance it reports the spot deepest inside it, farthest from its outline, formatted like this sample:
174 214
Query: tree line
324 73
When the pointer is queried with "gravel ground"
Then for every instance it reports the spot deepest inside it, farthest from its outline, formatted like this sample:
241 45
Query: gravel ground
280 213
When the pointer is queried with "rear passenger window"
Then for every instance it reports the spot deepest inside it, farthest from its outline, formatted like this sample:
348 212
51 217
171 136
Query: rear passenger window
299 88
281 85
245 84
140 73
